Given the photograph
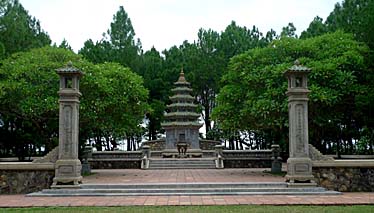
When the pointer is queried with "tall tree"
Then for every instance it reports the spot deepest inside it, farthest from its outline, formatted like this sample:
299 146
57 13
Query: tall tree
354 16
65 45
122 38
152 73
235 40
98 52
117 45
289 31
316 28
205 65
19 31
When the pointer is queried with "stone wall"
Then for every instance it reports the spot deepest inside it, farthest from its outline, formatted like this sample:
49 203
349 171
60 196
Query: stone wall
156 145
115 164
247 163
247 158
345 175
115 160
208 144
22 178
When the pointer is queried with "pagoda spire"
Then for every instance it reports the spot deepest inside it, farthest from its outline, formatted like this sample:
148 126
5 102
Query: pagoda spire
181 78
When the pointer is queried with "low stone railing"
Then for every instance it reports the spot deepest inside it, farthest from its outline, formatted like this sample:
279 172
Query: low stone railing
247 158
345 175
116 160
25 177
155 145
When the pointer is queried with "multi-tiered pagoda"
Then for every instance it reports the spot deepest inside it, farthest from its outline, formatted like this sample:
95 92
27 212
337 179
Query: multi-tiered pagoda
181 122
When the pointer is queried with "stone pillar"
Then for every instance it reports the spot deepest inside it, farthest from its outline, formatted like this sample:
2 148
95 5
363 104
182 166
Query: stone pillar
68 166
146 154
219 156
276 164
87 155
299 165
146 150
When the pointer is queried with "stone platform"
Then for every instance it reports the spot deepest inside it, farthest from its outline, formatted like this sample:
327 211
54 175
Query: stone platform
133 176
184 182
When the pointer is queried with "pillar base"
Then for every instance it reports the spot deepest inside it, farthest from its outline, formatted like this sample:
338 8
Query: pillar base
299 170
67 173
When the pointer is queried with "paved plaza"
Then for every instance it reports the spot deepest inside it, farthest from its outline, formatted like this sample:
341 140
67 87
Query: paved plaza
129 176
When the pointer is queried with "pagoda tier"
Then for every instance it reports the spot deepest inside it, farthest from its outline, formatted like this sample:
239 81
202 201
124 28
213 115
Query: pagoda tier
181 122
182 111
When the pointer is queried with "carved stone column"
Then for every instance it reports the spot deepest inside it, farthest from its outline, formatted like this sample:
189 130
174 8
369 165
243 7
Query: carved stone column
299 165
68 166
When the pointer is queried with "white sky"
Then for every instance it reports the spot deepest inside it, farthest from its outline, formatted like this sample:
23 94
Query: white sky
164 23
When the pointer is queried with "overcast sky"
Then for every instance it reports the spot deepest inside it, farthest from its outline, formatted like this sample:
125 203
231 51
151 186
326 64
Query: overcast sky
164 23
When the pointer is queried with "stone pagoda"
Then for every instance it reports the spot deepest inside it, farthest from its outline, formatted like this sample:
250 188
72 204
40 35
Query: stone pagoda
181 122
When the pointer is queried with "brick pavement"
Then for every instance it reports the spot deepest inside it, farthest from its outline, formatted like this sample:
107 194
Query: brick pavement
344 199
180 176
176 176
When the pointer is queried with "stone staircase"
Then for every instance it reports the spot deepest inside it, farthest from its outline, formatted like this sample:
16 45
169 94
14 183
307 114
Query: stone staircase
177 189
182 163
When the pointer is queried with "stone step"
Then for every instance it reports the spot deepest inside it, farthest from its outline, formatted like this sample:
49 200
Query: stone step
181 167
185 189
187 185
188 163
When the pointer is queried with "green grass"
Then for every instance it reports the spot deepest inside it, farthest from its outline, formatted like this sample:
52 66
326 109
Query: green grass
203 209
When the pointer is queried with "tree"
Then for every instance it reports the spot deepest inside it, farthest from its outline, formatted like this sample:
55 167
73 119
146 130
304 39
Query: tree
253 98
98 52
316 28
236 40
289 31
354 16
117 45
65 45
19 31
357 17
152 73
113 101
204 66
270 36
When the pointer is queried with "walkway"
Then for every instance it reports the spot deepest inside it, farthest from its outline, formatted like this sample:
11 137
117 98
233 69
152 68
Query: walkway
181 176
177 176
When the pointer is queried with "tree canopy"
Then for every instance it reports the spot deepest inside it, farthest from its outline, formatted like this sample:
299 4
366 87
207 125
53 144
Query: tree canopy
236 76
253 97
113 101
19 31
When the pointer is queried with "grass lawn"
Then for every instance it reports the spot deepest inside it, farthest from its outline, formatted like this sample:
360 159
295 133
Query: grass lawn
204 209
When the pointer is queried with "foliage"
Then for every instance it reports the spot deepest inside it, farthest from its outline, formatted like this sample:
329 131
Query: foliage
120 46
289 31
65 45
316 28
253 96
236 40
354 16
113 100
19 31
151 71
